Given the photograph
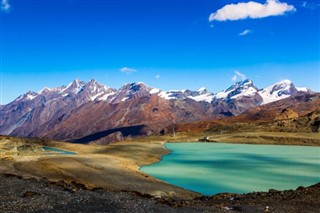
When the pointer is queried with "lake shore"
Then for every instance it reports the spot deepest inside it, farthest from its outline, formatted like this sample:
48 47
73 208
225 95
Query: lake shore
114 168
266 138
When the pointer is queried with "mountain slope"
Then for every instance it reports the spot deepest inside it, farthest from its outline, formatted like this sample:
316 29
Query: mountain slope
81 109
278 91
299 113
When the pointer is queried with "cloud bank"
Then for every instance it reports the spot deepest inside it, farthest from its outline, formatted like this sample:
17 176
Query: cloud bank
127 70
5 6
252 10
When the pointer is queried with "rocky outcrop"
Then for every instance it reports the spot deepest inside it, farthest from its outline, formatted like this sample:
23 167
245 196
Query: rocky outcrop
287 114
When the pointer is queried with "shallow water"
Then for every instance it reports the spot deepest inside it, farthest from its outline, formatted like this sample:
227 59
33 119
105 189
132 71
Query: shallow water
58 151
211 168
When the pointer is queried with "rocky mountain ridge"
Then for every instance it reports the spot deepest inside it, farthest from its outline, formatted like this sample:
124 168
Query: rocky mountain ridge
94 91
81 109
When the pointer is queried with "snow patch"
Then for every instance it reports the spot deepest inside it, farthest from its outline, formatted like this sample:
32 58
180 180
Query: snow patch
303 89
154 91
92 98
207 97
247 93
31 97
202 89
276 92
124 99
105 97
167 95
222 95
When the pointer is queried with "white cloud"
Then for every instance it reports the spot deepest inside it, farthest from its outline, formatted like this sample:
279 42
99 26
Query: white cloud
5 6
238 76
127 70
245 32
310 5
304 4
157 76
251 9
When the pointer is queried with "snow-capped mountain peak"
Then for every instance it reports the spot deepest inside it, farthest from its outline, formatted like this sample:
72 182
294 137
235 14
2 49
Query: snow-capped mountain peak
94 90
94 87
50 91
201 95
27 97
31 95
278 91
74 87
135 87
131 90
238 89
202 89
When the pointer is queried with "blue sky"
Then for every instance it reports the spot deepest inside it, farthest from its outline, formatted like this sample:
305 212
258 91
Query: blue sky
166 44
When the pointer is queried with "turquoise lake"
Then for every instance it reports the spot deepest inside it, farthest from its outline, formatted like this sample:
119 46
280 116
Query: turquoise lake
51 150
211 168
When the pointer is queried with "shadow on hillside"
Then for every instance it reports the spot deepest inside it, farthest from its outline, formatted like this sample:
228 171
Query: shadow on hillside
125 131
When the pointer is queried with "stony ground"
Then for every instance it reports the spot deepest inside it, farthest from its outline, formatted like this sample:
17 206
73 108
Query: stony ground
32 195
19 195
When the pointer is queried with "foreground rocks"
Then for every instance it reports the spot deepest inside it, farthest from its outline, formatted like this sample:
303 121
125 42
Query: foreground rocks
32 195
19 195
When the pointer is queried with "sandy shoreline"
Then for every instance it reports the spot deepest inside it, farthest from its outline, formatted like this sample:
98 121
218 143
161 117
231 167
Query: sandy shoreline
113 167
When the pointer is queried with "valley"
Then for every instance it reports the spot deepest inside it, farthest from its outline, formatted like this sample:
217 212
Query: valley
111 133
160 106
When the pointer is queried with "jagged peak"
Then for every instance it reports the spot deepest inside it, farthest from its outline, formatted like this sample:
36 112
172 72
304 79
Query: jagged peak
31 93
76 82
54 89
92 80
285 84
277 91
286 81
44 90
135 86
241 84
246 82
95 84
75 86
201 89
238 89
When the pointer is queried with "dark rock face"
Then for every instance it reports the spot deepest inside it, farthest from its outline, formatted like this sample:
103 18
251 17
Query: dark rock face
81 109
112 138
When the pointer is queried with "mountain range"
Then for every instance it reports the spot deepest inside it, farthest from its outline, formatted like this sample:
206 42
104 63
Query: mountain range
93 112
